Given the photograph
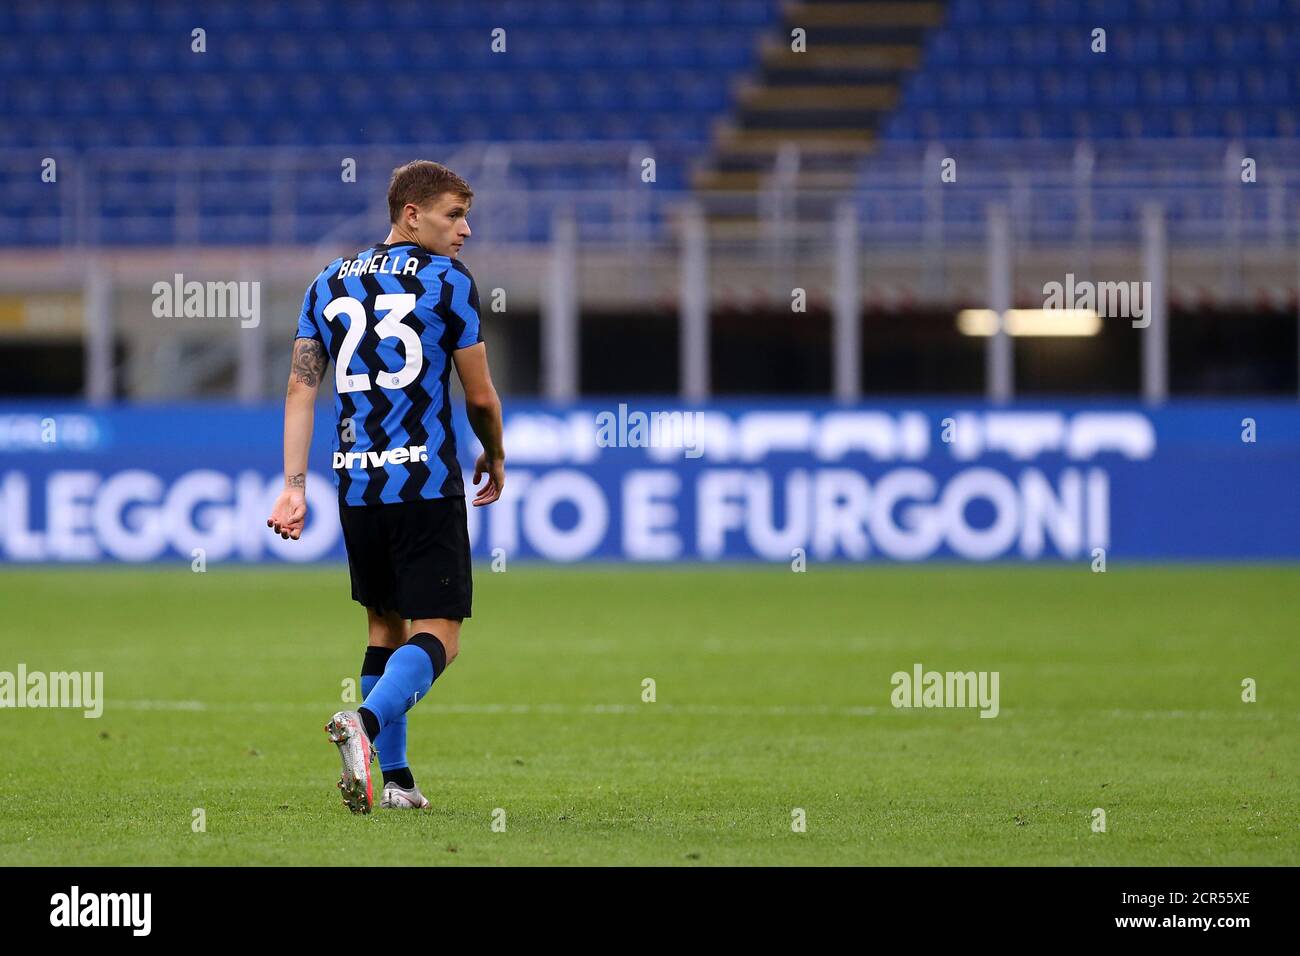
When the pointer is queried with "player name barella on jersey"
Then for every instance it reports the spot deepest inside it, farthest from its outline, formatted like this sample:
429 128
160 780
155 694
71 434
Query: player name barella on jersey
379 265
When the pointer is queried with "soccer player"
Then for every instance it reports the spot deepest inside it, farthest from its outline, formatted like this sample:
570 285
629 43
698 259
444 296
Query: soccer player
394 318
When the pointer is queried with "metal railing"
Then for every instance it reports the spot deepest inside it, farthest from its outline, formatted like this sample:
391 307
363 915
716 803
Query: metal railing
1083 193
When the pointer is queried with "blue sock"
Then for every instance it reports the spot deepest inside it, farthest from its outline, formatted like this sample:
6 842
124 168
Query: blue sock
409 674
391 743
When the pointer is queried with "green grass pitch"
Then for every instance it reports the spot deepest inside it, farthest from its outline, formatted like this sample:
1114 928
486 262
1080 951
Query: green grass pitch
1120 691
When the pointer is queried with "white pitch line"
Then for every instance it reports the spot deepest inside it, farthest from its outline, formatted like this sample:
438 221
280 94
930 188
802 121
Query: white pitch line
717 710
562 709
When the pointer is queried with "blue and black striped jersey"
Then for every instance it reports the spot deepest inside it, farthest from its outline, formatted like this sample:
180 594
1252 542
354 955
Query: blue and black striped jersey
390 318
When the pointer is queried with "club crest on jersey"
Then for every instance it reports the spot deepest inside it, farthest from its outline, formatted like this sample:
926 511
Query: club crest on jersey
378 459
378 265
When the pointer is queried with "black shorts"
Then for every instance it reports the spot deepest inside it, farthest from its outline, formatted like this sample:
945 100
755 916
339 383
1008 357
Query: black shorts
410 557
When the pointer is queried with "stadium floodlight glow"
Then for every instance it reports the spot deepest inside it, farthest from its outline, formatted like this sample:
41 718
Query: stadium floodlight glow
1031 322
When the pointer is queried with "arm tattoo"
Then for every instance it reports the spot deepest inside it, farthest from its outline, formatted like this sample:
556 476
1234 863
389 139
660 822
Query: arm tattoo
296 481
309 361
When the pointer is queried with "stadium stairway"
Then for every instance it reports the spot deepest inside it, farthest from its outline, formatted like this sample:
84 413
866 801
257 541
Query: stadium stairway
814 112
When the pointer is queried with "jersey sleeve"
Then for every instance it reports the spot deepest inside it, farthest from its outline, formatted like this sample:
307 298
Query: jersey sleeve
306 319
464 305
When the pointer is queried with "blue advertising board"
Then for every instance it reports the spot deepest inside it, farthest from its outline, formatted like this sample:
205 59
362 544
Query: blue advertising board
649 480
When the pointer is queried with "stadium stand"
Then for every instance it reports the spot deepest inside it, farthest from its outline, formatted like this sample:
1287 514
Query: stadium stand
129 88
1171 68
158 144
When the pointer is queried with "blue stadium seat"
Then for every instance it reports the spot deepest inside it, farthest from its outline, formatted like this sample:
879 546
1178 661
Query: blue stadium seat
1186 68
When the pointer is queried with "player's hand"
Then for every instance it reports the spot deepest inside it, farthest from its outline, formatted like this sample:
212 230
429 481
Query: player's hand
495 469
289 514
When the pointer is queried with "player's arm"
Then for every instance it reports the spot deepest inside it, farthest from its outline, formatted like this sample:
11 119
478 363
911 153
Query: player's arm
483 406
309 361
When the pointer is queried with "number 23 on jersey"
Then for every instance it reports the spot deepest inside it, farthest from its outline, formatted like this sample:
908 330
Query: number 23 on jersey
395 306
